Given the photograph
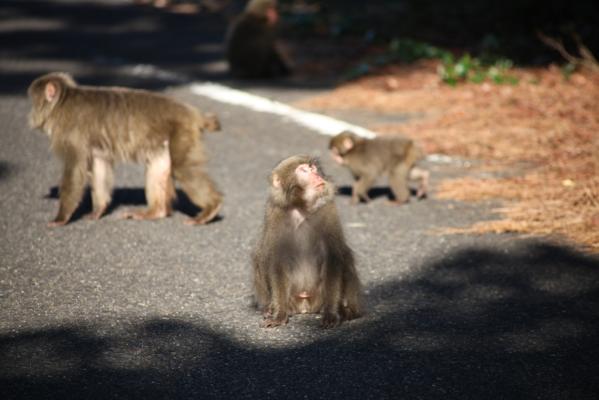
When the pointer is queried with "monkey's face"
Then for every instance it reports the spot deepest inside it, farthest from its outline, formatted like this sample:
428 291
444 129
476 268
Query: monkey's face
309 178
316 190
272 16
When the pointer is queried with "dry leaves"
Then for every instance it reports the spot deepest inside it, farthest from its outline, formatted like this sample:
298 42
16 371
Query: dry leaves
545 120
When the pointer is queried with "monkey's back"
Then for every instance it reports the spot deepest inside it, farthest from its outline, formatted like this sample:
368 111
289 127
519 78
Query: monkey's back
387 152
129 123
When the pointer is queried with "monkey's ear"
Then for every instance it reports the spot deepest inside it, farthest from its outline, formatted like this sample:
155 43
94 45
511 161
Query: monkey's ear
50 91
276 181
348 144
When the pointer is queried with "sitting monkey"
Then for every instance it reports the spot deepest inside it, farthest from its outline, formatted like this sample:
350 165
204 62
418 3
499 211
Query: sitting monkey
302 263
251 46
367 159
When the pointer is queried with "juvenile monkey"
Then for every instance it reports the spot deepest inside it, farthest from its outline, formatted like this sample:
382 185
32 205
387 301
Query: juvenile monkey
91 128
302 263
367 159
251 44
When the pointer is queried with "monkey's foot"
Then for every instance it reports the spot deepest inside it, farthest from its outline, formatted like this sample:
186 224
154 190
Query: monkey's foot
355 200
274 322
95 215
331 320
397 202
207 215
350 313
55 223
267 313
143 215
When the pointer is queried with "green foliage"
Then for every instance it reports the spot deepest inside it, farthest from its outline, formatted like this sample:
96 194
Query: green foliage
471 69
399 50
408 50
451 71
567 70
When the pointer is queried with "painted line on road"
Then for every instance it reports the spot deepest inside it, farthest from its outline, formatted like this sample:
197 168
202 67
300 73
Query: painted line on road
322 124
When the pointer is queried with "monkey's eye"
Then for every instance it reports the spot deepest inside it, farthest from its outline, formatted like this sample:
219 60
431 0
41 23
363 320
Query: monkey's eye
304 169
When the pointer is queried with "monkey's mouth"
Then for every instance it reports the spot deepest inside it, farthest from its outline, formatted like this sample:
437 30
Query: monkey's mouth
303 295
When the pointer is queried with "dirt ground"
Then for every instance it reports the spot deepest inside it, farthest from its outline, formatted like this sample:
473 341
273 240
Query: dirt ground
546 128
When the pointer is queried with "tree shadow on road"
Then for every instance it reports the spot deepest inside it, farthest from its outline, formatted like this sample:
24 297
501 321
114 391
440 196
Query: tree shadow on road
6 169
100 39
519 322
115 44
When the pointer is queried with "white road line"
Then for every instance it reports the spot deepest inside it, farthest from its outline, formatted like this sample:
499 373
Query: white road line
320 123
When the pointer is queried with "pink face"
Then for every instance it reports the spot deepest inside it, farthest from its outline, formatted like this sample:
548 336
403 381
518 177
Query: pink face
272 16
309 177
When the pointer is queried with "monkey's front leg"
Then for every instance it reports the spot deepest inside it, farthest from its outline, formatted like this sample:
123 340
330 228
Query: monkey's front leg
71 190
332 313
102 180
360 189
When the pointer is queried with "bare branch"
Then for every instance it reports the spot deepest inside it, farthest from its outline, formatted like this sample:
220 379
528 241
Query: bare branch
559 46
586 59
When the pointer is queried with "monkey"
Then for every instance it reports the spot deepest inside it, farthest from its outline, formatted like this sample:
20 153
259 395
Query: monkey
93 127
367 159
301 263
252 50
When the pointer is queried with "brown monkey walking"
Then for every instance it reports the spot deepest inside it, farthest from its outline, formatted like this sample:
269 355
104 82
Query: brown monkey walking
251 44
302 263
91 128
367 159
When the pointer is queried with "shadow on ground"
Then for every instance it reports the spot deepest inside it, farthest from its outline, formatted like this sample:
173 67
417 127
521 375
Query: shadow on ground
103 37
374 192
477 323
120 44
122 197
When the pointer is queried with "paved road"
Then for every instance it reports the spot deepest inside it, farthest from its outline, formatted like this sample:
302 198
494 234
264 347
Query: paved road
160 310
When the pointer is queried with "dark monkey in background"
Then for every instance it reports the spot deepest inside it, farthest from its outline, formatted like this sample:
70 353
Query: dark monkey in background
91 128
367 159
302 263
252 50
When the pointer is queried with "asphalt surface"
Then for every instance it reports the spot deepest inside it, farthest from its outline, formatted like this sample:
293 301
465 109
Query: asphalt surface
160 310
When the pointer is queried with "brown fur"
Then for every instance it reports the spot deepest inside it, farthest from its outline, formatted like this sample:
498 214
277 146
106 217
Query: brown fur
302 263
91 128
251 45
367 159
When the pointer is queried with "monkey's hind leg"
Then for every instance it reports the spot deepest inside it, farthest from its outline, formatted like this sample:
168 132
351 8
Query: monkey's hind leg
188 171
159 188
398 180
422 176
